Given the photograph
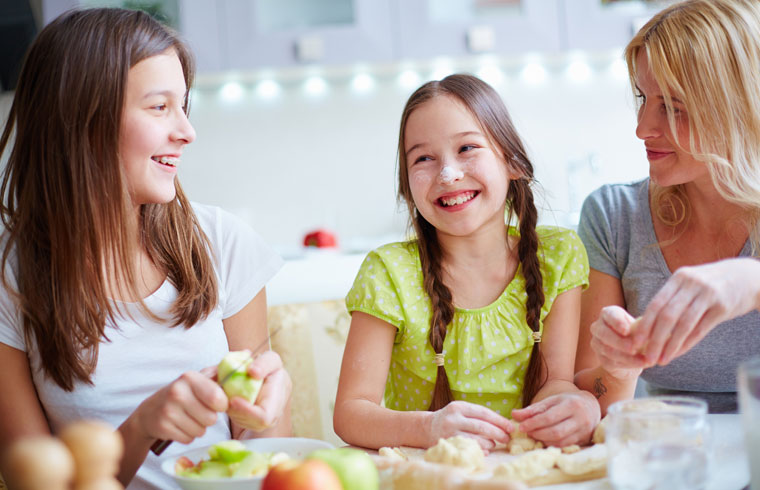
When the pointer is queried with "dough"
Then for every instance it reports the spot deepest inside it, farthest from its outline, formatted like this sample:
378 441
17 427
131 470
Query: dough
394 453
531 465
579 463
521 443
457 451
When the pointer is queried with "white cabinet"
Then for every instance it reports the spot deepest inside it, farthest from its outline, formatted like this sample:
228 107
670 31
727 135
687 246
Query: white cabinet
598 24
260 33
427 28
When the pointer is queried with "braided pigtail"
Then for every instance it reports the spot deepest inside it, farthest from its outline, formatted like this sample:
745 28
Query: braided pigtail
522 204
441 301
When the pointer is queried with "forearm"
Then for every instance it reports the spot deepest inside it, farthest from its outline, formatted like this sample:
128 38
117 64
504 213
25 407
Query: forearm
366 424
136 447
606 388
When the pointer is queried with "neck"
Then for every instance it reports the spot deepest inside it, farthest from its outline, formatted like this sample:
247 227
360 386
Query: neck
710 211
484 248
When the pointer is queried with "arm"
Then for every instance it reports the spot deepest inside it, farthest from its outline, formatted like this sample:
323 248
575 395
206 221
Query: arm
693 301
560 414
604 290
21 414
360 420
270 416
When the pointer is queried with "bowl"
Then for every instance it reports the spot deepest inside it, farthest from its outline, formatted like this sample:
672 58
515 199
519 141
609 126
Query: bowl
295 447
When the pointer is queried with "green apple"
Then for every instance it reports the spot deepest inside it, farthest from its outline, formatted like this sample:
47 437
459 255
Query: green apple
232 451
353 466
239 383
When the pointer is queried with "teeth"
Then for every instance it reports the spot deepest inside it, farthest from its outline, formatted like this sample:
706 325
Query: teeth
462 198
167 160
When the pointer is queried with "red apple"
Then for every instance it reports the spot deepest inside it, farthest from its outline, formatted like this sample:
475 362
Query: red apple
312 474
182 464
320 239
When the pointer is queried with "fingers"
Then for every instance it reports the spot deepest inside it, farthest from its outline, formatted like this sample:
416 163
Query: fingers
616 318
264 364
270 404
206 391
485 414
560 420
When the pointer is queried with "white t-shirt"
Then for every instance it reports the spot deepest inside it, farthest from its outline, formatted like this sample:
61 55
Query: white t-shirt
143 356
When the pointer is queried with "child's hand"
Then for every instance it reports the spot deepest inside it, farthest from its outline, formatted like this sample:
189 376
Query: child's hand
273 396
182 410
467 419
560 420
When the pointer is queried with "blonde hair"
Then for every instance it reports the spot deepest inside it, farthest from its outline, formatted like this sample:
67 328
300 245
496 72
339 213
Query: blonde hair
706 53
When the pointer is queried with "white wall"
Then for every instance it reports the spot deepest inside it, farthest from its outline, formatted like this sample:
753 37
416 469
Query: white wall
297 162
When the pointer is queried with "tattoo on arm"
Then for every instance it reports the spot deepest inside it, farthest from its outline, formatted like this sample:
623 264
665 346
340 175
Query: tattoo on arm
599 388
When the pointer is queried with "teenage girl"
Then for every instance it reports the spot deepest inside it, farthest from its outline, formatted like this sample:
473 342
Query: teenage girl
117 291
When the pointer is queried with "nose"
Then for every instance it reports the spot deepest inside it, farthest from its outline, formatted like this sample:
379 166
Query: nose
450 173
649 123
183 130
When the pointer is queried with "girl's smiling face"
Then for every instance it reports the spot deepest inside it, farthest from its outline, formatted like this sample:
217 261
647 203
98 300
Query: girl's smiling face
154 128
670 161
457 178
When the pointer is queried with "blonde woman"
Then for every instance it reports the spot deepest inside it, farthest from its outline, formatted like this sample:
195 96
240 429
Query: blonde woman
679 249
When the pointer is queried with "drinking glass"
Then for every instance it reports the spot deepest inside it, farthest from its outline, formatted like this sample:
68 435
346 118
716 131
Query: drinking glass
749 406
658 443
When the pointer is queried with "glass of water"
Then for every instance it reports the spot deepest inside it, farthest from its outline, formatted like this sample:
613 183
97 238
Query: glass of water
659 443
749 406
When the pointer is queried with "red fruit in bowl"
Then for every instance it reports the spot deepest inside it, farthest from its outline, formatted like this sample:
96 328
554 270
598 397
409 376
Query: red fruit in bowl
183 463
320 239
311 474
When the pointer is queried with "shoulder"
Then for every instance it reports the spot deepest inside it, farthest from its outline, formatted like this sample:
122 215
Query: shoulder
395 255
556 238
617 199
213 218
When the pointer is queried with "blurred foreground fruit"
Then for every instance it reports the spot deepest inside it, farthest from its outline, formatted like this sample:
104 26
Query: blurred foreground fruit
353 466
311 474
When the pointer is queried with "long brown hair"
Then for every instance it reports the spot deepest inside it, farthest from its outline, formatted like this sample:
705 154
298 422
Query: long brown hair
65 203
488 109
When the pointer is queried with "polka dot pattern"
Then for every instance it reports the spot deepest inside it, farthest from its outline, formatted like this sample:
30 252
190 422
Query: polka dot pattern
486 350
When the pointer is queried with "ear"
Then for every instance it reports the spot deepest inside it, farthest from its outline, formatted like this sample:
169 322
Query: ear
514 172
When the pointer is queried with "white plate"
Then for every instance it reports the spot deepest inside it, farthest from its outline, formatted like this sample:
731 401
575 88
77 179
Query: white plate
295 447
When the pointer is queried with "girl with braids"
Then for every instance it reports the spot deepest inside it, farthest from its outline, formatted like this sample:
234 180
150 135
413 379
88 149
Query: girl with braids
117 291
474 321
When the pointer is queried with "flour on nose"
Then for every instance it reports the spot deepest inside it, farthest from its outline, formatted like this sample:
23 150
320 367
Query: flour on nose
449 175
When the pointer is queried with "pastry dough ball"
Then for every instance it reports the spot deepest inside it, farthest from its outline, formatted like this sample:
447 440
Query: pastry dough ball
457 451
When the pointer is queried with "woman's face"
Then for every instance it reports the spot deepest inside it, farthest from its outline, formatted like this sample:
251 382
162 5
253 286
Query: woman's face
670 162
458 180
154 128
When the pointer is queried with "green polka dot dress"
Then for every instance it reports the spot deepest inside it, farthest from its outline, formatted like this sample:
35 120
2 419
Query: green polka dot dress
486 350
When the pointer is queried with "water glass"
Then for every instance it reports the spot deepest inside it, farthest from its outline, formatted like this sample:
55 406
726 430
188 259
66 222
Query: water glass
749 406
658 443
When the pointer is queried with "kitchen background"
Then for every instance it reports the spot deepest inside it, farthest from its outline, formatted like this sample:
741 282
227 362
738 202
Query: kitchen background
297 104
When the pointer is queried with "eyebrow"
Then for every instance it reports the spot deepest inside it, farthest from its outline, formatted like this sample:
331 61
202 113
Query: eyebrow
166 93
457 135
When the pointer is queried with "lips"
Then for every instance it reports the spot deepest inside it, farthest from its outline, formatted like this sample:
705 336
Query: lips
168 161
656 154
452 200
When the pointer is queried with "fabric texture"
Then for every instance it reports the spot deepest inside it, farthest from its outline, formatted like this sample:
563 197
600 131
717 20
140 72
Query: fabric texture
617 230
142 356
486 350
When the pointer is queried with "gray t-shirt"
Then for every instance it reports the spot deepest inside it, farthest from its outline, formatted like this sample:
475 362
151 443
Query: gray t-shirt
616 228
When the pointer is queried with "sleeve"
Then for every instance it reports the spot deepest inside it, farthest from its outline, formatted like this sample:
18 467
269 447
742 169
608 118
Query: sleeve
11 329
245 262
570 261
374 293
595 231
10 322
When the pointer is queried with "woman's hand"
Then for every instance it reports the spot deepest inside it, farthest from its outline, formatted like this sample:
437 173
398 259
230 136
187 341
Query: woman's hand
460 418
560 420
613 345
273 396
182 410
692 302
